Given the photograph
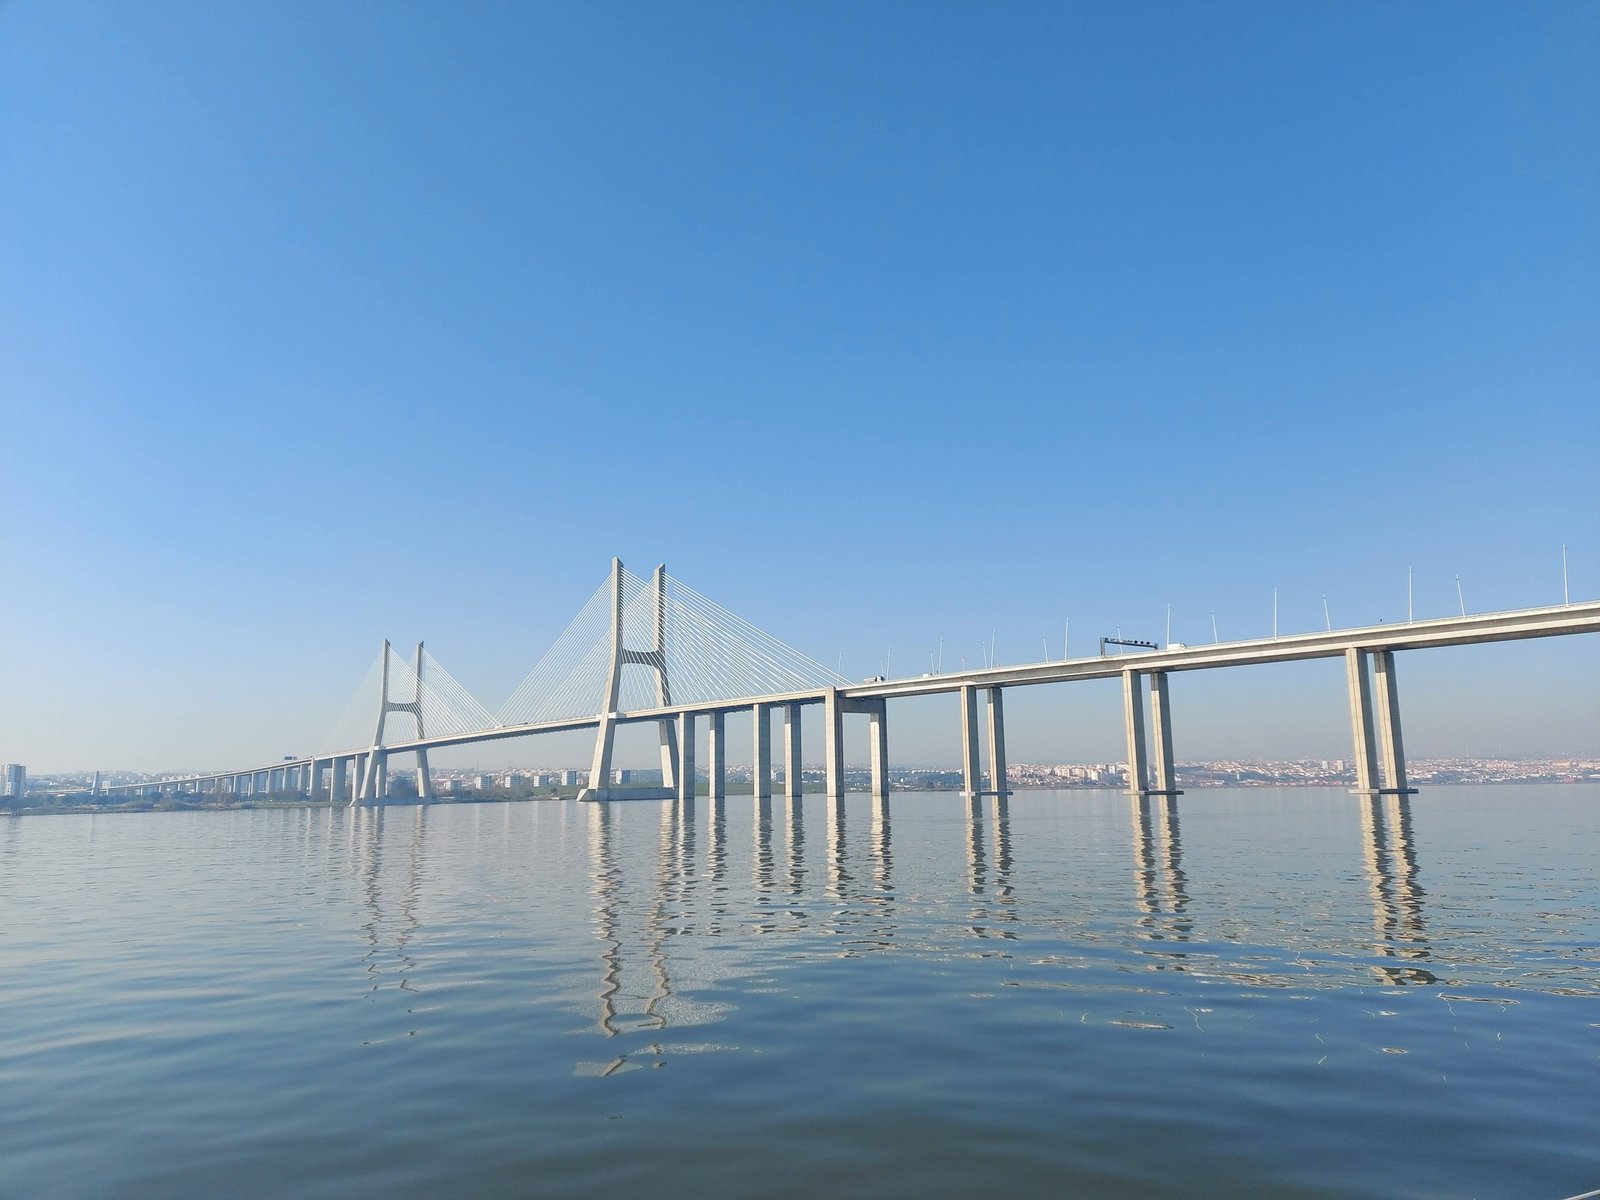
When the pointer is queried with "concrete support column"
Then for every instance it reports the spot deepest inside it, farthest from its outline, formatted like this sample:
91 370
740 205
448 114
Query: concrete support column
606 730
382 775
1388 697
1133 717
1355 661
997 744
336 773
970 763
761 763
833 742
668 731
362 789
685 764
425 791
791 750
605 736
717 755
878 747
1161 725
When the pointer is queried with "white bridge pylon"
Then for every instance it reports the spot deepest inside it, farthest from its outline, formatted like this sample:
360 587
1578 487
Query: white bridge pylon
692 650
436 704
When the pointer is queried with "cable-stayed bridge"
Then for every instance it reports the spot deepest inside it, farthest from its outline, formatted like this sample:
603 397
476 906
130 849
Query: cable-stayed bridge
656 651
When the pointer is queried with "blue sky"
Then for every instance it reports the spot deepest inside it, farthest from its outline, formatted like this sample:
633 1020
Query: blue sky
878 323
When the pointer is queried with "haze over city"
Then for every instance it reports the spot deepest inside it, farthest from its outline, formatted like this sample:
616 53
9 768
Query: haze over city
887 331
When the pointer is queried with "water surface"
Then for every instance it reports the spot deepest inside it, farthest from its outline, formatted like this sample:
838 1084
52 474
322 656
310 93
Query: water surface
1286 992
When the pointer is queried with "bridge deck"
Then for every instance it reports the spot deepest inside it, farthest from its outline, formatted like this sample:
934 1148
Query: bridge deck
1554 621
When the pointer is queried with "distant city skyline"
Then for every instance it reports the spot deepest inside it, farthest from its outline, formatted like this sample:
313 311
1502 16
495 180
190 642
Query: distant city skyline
884 327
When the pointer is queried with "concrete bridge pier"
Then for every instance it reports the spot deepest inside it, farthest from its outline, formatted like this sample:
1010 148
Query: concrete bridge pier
685 765
374 779
1360 668
878 748
717 755
997 745
336 773
876 711
971 761
791 750
425 791
1139 763
971 784
671 750
761 761
833 741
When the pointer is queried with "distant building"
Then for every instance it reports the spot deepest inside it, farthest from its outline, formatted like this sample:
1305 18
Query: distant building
14 780
571 778
621 775
482 783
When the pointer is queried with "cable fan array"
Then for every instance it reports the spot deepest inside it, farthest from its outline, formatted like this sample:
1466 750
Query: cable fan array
709 654
700 654
446 706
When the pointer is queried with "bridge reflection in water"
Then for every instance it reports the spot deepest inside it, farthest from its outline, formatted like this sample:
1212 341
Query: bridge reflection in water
661 906
1390 851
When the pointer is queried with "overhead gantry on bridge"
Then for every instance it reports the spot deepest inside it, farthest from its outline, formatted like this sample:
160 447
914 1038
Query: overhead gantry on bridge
657 651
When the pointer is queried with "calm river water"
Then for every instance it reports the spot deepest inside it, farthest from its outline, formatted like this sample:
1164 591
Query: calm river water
1286 993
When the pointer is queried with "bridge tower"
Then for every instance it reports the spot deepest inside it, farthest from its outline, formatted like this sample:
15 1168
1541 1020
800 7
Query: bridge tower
621 656
374 779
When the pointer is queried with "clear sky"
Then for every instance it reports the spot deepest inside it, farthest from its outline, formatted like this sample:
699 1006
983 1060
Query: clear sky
879 323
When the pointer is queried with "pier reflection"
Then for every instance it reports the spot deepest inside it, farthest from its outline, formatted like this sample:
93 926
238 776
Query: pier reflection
1161 888
633 986
989 863
687 894
795 815
391 922
882 849
1390 861
839 880
863 914
762 861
